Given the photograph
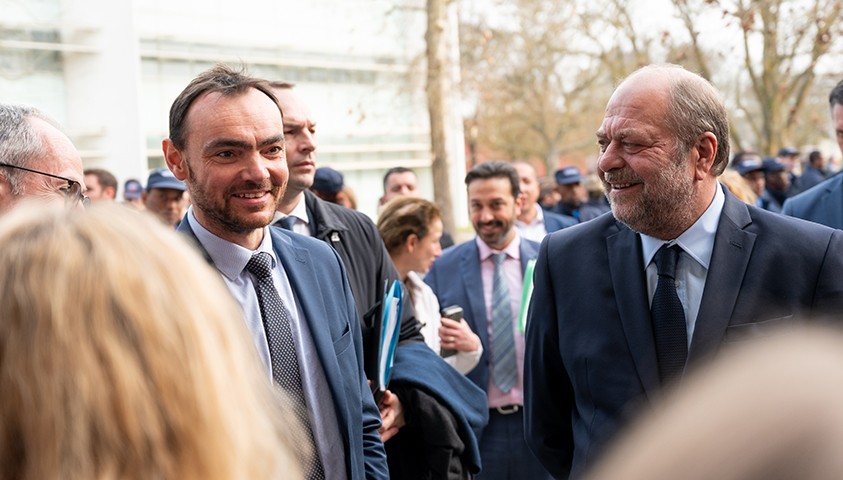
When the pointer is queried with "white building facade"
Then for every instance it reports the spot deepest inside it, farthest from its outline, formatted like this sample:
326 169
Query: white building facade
108 71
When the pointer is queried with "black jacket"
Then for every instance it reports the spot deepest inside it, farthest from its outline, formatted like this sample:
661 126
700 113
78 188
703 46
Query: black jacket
357 241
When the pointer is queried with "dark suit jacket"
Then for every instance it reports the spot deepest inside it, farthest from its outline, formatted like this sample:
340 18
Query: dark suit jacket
556 221
455 279
821 204
360 247
591 356
320 285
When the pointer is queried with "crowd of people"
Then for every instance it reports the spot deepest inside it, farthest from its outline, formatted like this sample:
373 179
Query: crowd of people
229 324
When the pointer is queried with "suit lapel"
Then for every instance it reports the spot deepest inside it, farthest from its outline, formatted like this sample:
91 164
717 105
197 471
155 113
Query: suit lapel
184 227
630 287
472 279
833 207
302 277
729 260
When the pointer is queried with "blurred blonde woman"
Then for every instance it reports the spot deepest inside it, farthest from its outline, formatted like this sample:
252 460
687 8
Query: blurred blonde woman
411 228
738 186
122 355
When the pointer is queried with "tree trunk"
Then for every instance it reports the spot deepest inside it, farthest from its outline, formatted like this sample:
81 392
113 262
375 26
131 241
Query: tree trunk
437 90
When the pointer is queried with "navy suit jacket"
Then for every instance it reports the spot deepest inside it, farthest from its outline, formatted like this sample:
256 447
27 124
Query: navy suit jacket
455 279
320 285
591 357
556 221
821 204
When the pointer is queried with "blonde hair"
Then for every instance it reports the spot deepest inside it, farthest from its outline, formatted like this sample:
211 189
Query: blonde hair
738 186
122 354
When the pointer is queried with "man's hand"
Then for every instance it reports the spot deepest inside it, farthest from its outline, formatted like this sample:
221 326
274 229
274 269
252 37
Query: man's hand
392 415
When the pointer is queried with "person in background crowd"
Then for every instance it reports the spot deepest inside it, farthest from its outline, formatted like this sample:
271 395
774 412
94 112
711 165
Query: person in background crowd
573 195
37 159
731 179
548 195
327 184
596 196
789 157
624 304
100 184
814 172
751 168
134 366
533 222
411 228
347 198
824 204
486 278
227 141
164 196
777 185
133 194
430 412
400 181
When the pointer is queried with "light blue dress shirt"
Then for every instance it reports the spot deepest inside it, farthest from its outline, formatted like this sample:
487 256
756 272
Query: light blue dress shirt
231 259
697 245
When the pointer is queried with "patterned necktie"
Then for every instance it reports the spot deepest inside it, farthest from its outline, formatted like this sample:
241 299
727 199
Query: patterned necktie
668 318
504 367
282 353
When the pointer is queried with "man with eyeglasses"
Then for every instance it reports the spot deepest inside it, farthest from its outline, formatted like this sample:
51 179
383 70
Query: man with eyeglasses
37 159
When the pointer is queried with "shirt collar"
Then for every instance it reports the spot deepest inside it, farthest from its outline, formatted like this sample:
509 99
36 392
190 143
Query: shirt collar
697 241
539 219
513 250
299 211
229 258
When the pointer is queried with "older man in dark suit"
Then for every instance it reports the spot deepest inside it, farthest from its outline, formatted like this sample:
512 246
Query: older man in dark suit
622 304
534 222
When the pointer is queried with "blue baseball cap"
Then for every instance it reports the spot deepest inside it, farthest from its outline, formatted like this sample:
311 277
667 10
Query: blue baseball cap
164 178
132 190
568 175
327 180
749 164
771 165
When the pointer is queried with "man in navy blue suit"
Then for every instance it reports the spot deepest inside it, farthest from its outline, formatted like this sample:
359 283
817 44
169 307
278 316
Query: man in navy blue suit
227 143
824 202
727 271
474 275
534 222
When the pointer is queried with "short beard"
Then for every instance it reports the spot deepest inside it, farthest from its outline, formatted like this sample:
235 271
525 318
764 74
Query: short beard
228 223
666 205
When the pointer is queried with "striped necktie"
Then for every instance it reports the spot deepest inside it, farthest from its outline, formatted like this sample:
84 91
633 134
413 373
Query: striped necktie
504 367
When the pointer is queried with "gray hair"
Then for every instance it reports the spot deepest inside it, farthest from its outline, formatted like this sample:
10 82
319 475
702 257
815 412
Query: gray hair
695 107
20 144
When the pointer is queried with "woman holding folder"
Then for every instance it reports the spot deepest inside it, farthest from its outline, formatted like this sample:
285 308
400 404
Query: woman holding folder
411 228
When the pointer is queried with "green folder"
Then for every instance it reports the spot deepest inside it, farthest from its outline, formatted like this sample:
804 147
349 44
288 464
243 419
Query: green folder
526 293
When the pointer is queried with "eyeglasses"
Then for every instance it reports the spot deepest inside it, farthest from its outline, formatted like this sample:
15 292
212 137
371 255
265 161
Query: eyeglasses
72 191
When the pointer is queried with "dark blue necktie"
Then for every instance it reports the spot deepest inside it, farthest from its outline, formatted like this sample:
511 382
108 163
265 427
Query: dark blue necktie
282 353
668 318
